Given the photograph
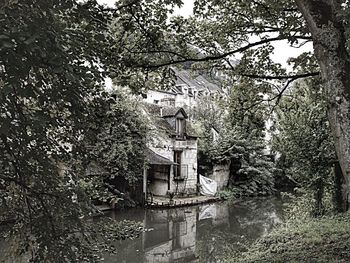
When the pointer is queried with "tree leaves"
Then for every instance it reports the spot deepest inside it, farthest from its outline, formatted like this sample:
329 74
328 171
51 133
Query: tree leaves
53 59
303 139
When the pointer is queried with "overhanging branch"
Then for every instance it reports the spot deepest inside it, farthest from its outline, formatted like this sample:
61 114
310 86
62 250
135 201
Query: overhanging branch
215 57
218 56
281 77
277 97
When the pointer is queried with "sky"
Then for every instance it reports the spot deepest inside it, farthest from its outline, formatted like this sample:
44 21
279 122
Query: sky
282 50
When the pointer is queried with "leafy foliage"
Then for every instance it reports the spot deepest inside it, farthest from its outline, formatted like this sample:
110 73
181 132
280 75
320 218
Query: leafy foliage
303 139
251 169
245 145
54 57
316 240
241 140
209 122
116 140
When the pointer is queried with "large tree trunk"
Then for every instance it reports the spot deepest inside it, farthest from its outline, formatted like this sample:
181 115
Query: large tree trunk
328 34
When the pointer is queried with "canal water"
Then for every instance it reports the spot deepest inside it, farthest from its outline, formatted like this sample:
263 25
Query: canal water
203 233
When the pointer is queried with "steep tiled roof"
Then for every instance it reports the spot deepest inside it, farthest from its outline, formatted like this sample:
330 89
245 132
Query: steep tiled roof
184 77
152 109
163 111
164 125
154 158
159 120
169 111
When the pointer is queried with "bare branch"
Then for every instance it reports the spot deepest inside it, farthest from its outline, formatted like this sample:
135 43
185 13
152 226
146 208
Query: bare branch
278 97
269 77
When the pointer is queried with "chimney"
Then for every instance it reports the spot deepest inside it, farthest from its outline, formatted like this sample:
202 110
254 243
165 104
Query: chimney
161 111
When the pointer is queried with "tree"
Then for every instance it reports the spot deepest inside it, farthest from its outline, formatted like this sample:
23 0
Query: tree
304 142
116 139
54 56
244 143
220 30
208 116
240 123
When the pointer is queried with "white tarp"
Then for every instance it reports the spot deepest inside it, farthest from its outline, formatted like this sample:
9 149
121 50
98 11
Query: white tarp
207 211
208 186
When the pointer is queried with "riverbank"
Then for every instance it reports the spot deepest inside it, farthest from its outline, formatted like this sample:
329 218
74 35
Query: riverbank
165 202
313 240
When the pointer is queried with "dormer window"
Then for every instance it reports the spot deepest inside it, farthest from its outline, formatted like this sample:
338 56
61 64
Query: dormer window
180 127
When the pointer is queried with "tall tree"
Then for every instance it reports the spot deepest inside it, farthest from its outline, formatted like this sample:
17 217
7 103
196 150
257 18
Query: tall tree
233 132
304 142
116 143
54 56
327 21
244 144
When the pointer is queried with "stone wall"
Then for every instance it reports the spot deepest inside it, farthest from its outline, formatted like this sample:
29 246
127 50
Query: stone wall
189 160
221 174
156 97
158 187
188 150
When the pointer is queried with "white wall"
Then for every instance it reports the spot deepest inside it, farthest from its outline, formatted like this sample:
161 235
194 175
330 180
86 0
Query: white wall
221 174
153 95
189 158
166 149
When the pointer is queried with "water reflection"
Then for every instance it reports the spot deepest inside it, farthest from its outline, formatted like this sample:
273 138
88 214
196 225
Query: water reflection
197 234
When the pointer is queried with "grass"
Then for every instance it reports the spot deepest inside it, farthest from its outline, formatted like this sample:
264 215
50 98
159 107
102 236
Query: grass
312 240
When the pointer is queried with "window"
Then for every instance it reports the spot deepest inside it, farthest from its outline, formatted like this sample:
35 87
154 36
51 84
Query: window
159 172
177 168
180 127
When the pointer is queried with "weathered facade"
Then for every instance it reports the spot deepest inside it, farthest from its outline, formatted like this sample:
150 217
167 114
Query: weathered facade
221 174
174 236
172 154
186 91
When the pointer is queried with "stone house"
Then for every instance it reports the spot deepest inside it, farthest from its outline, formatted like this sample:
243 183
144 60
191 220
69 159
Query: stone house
164 107
187 89
172 152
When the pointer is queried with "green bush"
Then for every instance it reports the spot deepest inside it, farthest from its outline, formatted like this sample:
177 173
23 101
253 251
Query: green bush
325 239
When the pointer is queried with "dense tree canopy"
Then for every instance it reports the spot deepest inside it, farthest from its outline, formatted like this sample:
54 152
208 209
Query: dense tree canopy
304 143
218 30
53 58
115 143
240 124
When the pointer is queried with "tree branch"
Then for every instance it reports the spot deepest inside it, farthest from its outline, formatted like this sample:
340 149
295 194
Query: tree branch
220 56
282 77
215 57
278 97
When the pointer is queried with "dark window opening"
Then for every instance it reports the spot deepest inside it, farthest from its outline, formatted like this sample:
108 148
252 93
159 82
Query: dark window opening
177 168
160 172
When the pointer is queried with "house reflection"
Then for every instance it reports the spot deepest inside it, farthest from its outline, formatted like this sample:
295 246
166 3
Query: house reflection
192 234
173 238
198 233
